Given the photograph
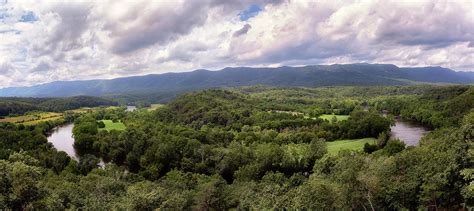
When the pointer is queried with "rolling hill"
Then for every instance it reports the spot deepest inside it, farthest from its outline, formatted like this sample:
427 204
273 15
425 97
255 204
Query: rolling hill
307 76
16 105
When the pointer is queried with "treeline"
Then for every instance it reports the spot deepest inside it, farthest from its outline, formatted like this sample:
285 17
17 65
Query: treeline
19 106
8 107
431 106
441 107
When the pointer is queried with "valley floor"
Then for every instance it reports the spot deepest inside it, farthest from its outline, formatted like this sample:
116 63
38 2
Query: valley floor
255 148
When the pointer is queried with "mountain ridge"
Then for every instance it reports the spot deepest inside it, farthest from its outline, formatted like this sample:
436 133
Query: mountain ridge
359 74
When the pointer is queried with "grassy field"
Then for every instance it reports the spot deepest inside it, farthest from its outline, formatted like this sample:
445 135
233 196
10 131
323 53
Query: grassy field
82 110
330 116
89 110
154 106
358 144
109 125
33 118
294 113
324 116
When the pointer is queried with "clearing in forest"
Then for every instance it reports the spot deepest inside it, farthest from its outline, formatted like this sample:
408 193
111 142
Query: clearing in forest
110 125
357 144
330 116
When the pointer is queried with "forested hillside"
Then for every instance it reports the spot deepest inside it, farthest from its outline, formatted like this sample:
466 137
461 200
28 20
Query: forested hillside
169 84
18 106
253 148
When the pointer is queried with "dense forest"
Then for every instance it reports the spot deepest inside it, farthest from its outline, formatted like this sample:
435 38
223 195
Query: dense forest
252 148
18 106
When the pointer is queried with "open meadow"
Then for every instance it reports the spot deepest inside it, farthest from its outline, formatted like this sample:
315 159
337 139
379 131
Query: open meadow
357 145
330 117
110 125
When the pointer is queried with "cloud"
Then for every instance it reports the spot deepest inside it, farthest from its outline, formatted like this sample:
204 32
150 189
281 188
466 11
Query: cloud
41 67
147 25
6 69
243 30
46 41
428 23
357 31
69 24
184 51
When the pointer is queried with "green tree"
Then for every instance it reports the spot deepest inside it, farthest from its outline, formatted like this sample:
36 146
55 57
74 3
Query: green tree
394 146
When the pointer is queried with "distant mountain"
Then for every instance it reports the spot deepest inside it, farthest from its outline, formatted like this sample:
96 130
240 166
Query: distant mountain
437 75
467 75
307 76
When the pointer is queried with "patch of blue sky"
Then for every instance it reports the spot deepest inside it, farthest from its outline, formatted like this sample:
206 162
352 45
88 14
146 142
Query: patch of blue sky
28 17
250 12
3 13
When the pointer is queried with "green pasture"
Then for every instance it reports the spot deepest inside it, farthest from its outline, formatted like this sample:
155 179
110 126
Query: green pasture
330 116
357 144
110 125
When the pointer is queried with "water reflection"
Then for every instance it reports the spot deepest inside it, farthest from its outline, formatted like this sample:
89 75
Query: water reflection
62 140
408 132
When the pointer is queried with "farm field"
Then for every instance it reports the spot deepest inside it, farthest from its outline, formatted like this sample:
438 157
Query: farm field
154 107
82 110
356 144
91 109
33 118
110 125
36 117
330 116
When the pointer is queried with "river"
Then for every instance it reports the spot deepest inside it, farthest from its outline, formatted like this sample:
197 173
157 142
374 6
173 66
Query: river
62 140
408 132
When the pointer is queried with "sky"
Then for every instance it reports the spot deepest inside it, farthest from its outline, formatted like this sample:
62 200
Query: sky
44 41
